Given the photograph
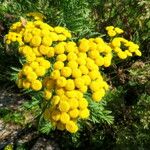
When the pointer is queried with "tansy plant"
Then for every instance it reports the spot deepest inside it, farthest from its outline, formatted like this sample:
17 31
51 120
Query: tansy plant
64 70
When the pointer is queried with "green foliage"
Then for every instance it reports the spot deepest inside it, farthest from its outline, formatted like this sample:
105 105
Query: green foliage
99 114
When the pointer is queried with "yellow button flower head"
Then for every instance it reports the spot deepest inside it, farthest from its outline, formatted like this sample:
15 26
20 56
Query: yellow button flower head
71 56
83 103
59 48
64 118
99 61
61 37
59 91
93 54
70 85
81 61
35 41
30 57
59 29
79 82
94 74
122 55
36 85
71 127
61 57
84 113
67 34
45 63
44 50
109 28
118 30
83 89
26 84
64 106
97 96
95 85
58 65
53 36
27 37
86 79
51 52
84 45
72 64
55 74
26 70
111 33
36 31
71 94
47 41
47 94
31 76
61 82
66 71
34 64
76 73
40 71
74 113
55 100
83 69
25 50
56 115
73 102
70 47
116 42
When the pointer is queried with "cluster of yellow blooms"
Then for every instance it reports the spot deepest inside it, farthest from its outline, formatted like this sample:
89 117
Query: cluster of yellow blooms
119 43
65 70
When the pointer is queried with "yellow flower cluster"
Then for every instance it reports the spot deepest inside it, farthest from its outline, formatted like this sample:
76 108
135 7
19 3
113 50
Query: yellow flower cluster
120 45
112 31
65 70
31 71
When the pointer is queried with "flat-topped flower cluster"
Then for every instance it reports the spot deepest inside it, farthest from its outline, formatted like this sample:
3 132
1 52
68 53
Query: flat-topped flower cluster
63 69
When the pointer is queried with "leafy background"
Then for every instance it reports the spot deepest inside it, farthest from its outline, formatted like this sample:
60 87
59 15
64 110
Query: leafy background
122 119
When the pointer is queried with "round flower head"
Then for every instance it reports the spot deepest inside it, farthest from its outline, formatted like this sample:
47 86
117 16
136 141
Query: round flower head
71 127
64 118
35 41
31 76
26 84
66 71
56 115
73 102
70 85
83 103
64 106
36 85
74 113
47 41
76 73
61 82
51 52
47 94
84 45
84 113
40 71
